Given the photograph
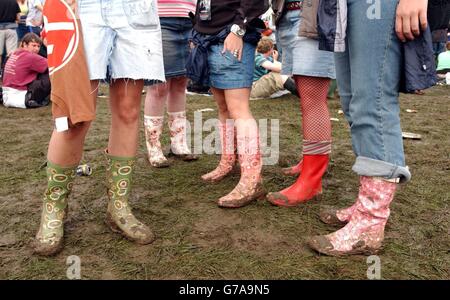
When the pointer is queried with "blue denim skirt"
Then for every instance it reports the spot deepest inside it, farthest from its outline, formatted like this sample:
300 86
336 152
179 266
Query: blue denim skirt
226 72
301 55
175 38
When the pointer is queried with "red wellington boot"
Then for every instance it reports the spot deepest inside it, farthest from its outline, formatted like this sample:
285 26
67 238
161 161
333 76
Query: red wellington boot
294 170
308 184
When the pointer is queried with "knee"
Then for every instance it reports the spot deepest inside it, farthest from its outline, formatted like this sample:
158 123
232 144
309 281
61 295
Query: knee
127 113
158 92
178 85
223 109
79 130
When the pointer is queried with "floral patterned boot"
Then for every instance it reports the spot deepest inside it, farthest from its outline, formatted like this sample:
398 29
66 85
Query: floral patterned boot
177 126
228 155
153 129
250 186
364 233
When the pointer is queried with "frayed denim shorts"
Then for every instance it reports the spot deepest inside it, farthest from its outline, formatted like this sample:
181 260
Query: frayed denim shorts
226 72
122 37
301 55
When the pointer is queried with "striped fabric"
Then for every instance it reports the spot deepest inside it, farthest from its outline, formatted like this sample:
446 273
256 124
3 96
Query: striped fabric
316 147
176 8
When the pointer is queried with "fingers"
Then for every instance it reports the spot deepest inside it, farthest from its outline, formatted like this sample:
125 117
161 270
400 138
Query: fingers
415 26
399 29
406 22
423 19
224 47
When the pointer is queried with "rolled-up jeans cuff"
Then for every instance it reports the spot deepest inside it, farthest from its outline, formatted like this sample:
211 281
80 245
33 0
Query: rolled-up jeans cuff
365 166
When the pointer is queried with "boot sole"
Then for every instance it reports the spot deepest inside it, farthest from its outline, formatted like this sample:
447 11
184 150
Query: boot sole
259 196
316 197
47 251
113 226
331 252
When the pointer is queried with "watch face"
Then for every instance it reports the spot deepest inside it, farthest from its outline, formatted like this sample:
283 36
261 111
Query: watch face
237 30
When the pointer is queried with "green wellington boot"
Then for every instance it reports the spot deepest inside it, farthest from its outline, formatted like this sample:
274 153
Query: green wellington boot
119 216
49 239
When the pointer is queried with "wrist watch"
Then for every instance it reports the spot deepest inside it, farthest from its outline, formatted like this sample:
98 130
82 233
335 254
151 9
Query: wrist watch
237 30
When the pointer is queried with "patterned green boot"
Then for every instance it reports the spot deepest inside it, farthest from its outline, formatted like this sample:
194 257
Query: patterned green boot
50 237
119 216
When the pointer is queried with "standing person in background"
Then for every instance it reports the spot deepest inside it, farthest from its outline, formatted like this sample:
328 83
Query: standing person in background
9 17
313 70
438 18
176 28
34 19
22 28
224 41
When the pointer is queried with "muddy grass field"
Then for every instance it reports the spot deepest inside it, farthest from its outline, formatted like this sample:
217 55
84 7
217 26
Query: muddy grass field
198 240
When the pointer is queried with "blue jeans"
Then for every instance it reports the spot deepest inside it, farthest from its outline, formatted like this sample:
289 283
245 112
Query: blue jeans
368 75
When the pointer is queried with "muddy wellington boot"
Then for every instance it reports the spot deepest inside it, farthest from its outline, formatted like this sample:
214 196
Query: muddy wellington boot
308 184
153 128
364 233
50 237
177 126
293 170
119 216
250 186
228 154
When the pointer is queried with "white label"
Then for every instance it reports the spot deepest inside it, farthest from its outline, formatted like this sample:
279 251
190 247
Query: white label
61 124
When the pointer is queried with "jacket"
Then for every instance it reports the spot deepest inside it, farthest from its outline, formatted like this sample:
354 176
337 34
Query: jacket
419 66
419 69
325 20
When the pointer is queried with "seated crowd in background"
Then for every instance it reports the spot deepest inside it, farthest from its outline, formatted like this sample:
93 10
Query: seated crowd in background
267 78
26 82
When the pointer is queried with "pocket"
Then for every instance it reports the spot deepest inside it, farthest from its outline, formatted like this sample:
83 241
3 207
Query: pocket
141 14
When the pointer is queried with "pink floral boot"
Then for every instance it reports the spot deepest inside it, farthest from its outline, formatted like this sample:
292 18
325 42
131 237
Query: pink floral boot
179 147
228 155
364 233
153 129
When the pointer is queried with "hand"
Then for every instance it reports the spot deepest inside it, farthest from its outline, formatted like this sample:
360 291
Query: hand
234 44
275 55
411 16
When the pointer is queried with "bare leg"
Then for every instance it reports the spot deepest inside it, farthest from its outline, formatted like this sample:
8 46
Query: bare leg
66 148
125 100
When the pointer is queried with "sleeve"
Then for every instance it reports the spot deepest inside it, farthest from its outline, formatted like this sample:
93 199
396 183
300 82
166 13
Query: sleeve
259 60
39 64
249 12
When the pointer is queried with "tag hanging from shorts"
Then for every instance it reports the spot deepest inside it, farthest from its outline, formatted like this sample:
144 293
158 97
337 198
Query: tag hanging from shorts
205 10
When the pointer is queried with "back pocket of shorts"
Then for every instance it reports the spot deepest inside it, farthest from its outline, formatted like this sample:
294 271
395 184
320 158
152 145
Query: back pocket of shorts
141 14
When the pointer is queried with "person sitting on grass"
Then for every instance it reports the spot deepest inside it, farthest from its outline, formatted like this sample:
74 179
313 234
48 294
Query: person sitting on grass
26 83
267 78
443 66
